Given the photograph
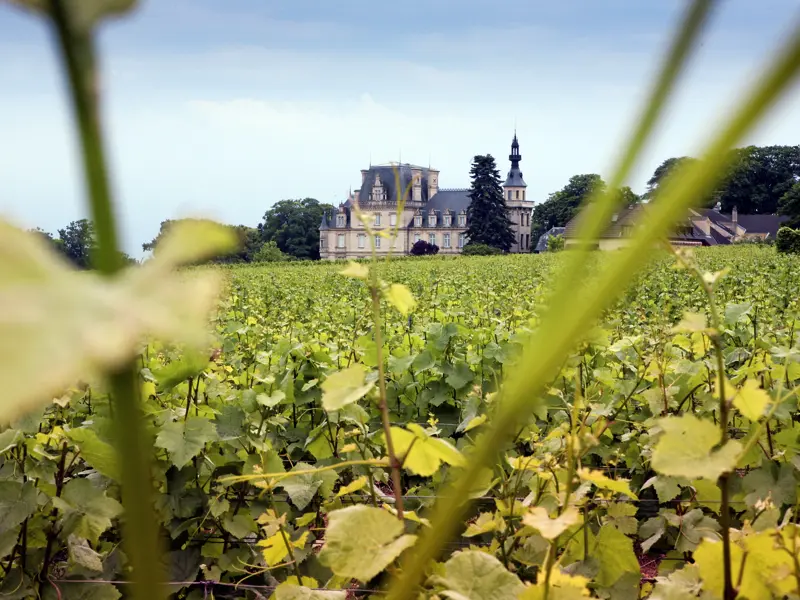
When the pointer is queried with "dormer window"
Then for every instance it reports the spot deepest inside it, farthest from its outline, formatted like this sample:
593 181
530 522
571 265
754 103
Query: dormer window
462 220
448 220
340 220
432 220
417 220
378 191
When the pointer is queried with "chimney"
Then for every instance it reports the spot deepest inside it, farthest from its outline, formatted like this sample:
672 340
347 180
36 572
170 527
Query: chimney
363 176
416 186
433 183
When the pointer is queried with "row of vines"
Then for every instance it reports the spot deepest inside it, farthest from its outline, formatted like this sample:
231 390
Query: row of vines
272 468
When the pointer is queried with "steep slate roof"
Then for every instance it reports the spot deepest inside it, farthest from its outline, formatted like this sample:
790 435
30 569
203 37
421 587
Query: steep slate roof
628 216
514 179
768 224
388 175
454 200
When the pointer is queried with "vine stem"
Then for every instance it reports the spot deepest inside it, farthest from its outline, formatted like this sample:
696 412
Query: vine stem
140 525
394 463
729 592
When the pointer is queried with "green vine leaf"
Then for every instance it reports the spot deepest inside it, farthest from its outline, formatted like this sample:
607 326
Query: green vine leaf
686 449
614 551
289 591
17 503
345 387
59 325
476 575
185 439
751 400
87 511
361 541
550 528
99 454
422 454
621 486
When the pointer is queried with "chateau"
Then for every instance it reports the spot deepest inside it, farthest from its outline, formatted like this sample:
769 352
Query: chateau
430 213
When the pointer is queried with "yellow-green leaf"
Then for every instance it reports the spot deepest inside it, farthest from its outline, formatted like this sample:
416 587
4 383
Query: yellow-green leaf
58 325
620 486
422 454
550 528
354 486
361 541
400 297
345 387
691 322
686 449
355 270
751 400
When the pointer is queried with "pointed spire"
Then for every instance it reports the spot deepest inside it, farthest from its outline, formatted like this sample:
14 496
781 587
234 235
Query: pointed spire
515 175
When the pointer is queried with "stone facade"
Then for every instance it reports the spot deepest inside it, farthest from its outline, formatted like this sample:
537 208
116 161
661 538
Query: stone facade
438 216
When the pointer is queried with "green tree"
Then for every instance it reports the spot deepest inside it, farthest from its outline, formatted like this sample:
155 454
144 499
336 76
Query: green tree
294 226
628 196
664 169
759 176
77 242
789 205
269 252
563 205
488 221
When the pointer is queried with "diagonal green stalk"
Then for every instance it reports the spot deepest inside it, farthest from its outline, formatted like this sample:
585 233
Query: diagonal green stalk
602 204
567 321
133 447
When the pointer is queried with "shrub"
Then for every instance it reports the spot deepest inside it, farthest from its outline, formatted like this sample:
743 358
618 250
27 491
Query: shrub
555 243
269 252
480 250
788 240
423 248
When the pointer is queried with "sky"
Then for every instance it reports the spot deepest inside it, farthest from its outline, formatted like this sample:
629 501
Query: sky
220 109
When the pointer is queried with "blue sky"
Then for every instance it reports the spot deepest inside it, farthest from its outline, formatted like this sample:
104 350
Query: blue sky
223 108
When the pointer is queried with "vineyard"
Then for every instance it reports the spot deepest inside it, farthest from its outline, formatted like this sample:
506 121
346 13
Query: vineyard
272 463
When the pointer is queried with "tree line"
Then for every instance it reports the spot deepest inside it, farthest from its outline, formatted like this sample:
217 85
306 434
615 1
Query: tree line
759 180
288 231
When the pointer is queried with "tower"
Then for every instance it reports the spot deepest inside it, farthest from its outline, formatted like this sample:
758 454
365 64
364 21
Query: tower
519 207
515 185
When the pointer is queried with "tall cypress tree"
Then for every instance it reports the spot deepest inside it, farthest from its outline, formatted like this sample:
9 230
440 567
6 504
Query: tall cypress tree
488 221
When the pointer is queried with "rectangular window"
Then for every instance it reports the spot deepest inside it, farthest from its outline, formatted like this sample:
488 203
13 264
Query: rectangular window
322 241
340 240
462 220
517 194
362 240
392 219
446 242
377 241
447 220
340 220
523 194
377 218
509 195
431 238
462 240
417 237
418 221
432 220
